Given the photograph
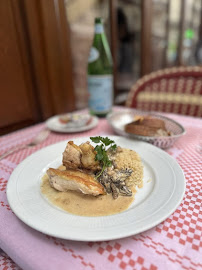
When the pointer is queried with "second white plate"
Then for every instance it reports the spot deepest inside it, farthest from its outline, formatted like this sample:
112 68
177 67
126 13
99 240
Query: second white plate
164 187
54 125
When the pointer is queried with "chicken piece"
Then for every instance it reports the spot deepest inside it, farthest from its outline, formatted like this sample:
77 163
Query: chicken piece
72 156
74 180
80 157
88 157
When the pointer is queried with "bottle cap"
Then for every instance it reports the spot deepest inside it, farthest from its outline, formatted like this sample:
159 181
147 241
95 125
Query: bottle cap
98 20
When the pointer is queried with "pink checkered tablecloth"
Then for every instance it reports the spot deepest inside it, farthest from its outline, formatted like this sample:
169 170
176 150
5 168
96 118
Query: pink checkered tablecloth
176 243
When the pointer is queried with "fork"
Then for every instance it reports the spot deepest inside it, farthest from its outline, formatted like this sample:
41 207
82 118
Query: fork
40 137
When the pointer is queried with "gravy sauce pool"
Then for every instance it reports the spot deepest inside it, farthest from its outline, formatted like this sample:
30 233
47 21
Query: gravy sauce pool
84 205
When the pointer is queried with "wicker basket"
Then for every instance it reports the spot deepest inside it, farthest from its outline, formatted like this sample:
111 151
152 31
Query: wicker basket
118 120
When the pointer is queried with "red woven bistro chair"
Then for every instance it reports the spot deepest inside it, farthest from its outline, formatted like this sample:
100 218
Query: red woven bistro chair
175 90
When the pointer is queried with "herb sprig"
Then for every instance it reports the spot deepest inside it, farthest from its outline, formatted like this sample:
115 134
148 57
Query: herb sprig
104 144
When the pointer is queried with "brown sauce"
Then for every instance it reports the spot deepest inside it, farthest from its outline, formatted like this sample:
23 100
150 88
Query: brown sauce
84 205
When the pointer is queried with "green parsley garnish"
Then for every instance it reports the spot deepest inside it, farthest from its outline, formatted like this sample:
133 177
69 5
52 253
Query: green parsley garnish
105 144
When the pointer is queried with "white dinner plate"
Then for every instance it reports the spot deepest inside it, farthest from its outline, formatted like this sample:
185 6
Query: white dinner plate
164 187
54 125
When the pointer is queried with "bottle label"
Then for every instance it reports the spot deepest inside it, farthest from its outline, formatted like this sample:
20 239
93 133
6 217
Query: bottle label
100 89
99 28
94 55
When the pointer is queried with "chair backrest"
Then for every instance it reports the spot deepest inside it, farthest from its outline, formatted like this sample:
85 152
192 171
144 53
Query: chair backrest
175 90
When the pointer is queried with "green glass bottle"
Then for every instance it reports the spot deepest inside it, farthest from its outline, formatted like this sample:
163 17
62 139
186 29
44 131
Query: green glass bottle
100 73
